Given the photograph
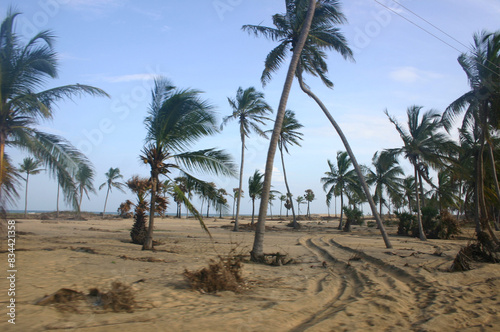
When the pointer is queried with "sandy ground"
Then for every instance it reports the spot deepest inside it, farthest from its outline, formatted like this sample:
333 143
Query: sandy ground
340 282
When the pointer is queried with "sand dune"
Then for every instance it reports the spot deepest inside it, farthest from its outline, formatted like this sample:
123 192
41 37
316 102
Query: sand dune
340 282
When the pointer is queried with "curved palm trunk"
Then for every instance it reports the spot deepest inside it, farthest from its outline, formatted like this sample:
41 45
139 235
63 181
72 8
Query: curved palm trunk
295 224
353 159
2 164
257 252
419 214
26 196
105 203
240 186
148 243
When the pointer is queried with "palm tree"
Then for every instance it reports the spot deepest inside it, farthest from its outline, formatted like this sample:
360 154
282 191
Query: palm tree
257 253
408 188
255 185
300 200
423 145
177 119
221 201
322 35
84 182
250 110
112 175
289 135
282 200
25 68
385 176
140 187
309 197
29 166
481 106
338 178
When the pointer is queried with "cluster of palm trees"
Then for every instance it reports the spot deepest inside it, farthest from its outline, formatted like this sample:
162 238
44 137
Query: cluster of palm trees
178 118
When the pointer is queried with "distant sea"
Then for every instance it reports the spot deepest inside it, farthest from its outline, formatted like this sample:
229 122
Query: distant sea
115 213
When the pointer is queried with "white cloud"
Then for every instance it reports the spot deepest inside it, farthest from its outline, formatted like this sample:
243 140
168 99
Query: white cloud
411 74
130 78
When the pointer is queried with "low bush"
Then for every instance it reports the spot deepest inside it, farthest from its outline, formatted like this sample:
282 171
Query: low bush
223 274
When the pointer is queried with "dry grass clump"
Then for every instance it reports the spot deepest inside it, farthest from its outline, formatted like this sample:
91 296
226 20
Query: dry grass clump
483 250
119 298
223 274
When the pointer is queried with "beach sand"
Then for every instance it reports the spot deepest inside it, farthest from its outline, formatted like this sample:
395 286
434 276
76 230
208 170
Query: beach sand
339 281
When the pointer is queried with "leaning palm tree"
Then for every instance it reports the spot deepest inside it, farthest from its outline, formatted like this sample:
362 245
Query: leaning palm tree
339 177
177 118
322 35
289 135
29 166
84 181
25 68
385 177
250 110
112 175
255 185
257 253
423 145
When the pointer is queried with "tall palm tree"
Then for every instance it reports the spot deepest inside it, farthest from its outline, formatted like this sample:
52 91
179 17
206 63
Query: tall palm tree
338 179
112 175
176 119
282 200
85 184
408 189
29 166
385 177
255 185
25 68
323 35
236 193
300 201
250 110
482 108
221 201
423 145
289 135
309 197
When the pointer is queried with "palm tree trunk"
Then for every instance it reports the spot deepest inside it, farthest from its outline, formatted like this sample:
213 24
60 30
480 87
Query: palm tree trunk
57 203
234 202
341 210
148 242
295 224
353 159
253 210
257 252
79 213
240 186
2 159
26 196
105 203
419 214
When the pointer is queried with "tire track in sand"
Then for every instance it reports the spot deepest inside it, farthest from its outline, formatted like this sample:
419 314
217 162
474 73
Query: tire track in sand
371 287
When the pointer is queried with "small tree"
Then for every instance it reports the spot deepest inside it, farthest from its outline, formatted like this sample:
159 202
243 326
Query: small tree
309 197
111 181
29 166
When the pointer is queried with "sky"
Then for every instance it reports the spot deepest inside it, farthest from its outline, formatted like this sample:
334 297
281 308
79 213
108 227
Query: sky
405 54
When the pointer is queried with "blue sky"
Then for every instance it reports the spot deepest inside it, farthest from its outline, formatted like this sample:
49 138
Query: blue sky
121 45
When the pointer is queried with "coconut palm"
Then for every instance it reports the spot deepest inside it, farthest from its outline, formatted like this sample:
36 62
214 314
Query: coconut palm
221 201
236 193
250 110
338 179
309 197
323 35
282 200
255 185
300 200
423 146
176 119
112 175
289 135
140 187
385 177
482 109
85 184
25 68
29 166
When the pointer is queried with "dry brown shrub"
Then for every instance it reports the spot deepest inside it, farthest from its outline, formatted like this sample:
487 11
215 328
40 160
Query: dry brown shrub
223 274
482 250
119 298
